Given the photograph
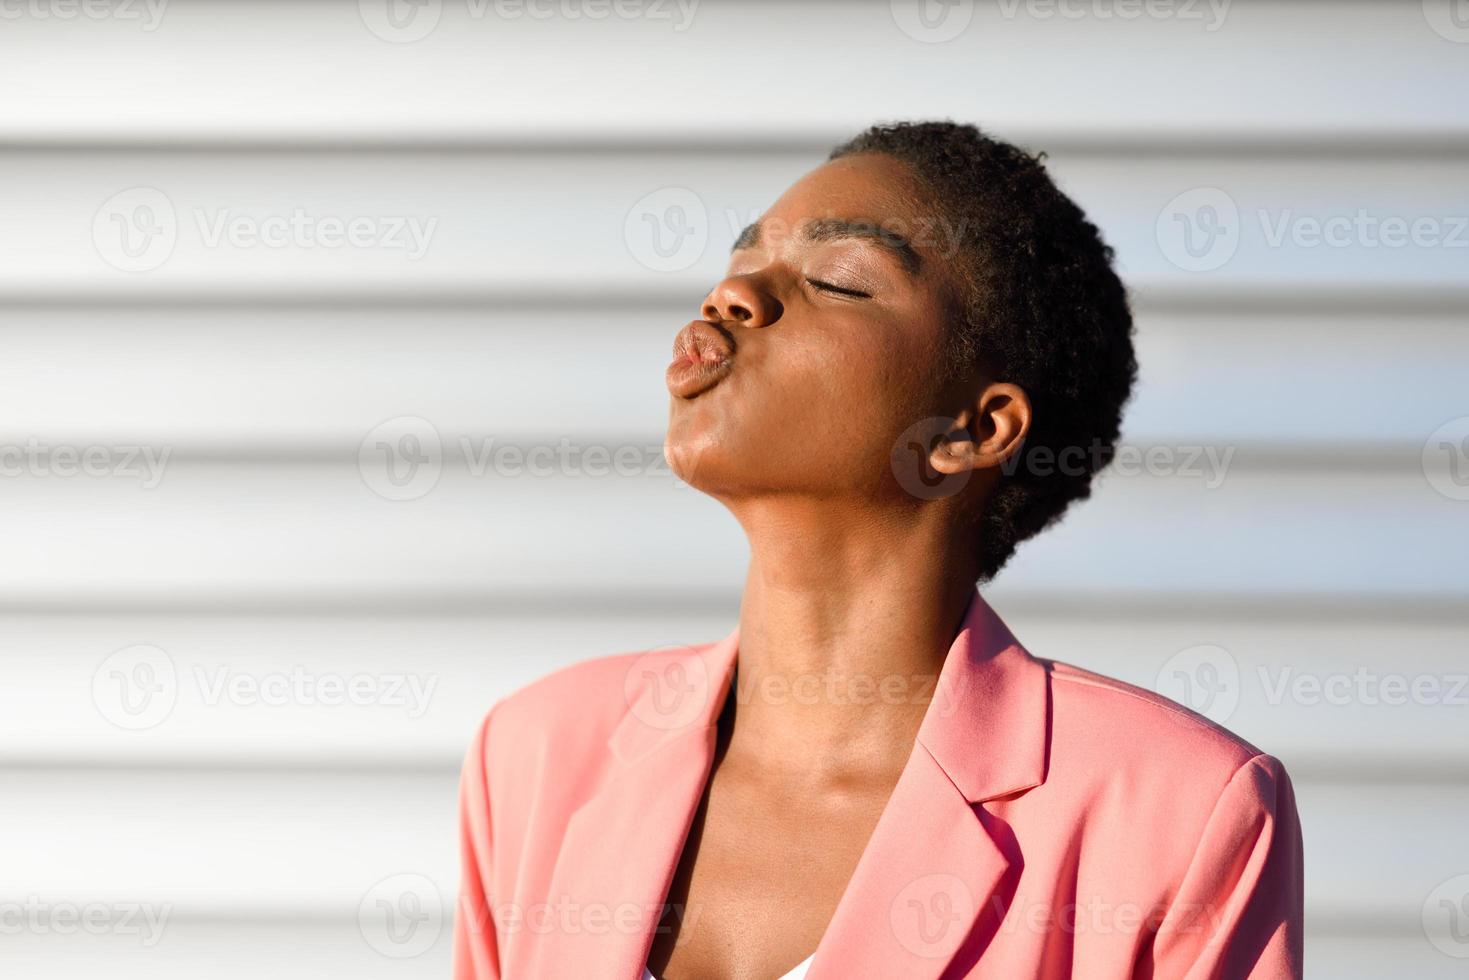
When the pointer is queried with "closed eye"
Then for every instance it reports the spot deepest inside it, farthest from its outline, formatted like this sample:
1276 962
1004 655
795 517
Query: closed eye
827 287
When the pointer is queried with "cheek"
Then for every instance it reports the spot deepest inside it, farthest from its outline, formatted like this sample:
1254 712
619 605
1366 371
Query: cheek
816 412
878 387
831 409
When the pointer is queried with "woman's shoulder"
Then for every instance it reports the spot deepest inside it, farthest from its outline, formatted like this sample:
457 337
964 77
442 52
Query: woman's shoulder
1142 736
583 703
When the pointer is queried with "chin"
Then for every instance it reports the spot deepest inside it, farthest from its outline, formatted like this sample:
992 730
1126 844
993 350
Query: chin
699 459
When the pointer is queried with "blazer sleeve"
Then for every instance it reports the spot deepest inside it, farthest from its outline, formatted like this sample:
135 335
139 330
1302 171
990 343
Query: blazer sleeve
1238 911
476 947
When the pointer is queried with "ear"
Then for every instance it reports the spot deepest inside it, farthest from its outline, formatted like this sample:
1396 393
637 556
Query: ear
986 435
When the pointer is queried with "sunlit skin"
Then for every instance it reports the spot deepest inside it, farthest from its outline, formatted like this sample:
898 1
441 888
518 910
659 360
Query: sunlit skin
837 340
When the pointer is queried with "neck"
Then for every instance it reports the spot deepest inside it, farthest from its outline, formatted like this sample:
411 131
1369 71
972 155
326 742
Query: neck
844 625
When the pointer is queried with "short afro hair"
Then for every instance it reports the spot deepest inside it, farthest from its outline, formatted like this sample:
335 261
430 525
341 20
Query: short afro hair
1042 308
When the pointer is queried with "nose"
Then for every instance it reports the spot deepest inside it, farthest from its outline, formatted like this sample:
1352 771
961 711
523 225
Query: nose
741 300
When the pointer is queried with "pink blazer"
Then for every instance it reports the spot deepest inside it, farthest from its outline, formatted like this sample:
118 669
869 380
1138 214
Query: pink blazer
1049 823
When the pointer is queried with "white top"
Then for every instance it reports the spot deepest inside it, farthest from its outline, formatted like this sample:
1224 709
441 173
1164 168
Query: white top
797 973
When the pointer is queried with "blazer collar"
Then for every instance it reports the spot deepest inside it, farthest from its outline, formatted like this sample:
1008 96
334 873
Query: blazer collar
983 737
988 722
673 692
986 726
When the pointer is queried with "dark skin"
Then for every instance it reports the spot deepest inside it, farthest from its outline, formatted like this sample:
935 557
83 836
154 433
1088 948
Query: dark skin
837 336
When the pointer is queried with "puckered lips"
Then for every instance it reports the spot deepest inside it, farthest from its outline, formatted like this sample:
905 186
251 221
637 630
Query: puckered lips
703 355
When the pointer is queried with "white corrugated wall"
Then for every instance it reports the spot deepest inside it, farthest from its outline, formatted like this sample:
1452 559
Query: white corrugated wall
249 250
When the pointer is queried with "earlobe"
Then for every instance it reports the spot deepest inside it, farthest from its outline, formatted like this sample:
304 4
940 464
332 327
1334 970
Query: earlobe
988 435
955 451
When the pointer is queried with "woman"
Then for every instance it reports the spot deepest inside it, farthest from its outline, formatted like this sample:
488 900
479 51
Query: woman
918 359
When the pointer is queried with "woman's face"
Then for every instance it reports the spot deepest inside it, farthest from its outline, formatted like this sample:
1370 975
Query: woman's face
822 345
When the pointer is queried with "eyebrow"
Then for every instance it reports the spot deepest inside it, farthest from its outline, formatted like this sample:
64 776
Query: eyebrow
832 229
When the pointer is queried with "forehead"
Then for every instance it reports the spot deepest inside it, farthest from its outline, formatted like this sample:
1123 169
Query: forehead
873 197
868 187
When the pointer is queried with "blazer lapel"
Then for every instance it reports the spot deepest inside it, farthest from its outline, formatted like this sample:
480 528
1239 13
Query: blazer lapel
936 877
622 847
932 884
